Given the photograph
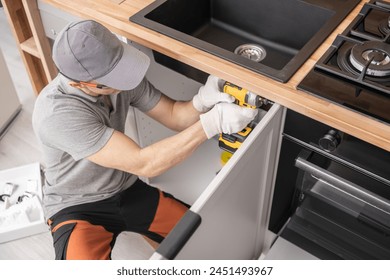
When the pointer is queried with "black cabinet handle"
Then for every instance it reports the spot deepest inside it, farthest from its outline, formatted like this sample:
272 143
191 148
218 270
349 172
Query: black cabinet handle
178 237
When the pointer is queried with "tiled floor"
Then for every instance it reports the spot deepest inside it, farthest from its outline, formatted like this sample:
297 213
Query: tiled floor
19 146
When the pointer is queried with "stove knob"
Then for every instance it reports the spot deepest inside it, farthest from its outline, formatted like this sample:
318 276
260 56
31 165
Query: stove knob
330 141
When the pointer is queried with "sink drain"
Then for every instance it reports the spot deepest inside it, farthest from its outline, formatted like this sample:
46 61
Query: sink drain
251 51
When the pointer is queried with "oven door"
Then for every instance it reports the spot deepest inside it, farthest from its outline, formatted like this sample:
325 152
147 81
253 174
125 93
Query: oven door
341 213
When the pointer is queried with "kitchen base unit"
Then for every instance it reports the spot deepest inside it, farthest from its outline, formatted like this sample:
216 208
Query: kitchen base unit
230 203
9 102
227 219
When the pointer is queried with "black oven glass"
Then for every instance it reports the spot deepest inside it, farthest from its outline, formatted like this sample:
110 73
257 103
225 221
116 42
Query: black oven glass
332 192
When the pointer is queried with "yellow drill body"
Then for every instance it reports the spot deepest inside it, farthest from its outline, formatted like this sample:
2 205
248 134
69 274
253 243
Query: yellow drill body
243 98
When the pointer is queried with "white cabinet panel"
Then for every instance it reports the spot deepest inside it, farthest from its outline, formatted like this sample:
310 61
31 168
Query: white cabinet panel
231 201
233 206
9 102
53 19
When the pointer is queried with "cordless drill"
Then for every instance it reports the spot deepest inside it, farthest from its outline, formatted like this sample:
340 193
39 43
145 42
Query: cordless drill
245 98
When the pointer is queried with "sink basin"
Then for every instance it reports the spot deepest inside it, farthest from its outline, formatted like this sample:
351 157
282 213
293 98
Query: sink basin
271 37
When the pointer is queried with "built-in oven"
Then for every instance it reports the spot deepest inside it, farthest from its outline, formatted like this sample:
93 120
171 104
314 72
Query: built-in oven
332 192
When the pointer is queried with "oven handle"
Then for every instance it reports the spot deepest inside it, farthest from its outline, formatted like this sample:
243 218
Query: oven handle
344 185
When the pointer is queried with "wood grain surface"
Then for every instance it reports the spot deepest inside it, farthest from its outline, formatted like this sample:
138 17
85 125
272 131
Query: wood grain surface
115 17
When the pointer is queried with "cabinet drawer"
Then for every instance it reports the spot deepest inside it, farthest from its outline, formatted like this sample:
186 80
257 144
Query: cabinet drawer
229 204
233 206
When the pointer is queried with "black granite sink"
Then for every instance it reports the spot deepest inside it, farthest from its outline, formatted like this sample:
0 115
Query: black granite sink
271 37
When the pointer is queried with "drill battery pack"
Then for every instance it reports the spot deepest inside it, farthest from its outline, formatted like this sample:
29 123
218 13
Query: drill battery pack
231 142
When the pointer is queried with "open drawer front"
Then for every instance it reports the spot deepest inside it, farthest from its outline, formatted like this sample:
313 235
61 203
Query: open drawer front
227 219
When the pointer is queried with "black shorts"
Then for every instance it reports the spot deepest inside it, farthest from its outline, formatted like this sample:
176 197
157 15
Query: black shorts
89 231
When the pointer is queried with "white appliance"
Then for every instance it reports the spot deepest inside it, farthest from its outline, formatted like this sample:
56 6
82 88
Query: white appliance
9 103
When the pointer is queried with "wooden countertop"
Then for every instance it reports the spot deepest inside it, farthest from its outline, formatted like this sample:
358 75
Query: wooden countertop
114 14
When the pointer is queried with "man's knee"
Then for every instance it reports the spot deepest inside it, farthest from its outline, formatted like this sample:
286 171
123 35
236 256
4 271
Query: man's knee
81 240
169 212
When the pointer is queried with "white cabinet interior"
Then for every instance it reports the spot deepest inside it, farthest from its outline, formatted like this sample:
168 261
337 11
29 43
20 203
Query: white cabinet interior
232 200
53 19
9 102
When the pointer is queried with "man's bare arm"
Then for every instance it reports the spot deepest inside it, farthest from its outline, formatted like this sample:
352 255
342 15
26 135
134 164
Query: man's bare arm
124 154
176 115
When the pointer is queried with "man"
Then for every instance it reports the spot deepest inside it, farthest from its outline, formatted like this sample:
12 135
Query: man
92 192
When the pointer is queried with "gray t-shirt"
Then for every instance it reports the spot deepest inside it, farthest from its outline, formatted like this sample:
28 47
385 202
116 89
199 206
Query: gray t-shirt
71 126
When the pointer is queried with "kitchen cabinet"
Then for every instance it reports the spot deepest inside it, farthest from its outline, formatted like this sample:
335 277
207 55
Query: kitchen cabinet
222 225
227 227
115 15
231 201
9 102
53 20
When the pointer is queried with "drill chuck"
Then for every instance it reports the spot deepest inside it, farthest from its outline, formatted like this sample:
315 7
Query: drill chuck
254 100
244 97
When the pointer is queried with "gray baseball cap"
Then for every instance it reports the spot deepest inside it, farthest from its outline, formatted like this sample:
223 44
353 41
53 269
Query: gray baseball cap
86 51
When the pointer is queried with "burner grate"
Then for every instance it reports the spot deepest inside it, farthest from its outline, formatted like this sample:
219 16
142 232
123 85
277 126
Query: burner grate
355 71
336 61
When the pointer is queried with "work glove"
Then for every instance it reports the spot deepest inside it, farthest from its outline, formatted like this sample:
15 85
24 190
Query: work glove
210 94
226 118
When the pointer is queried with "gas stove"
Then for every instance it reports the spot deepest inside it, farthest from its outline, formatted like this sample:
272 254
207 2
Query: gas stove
355 71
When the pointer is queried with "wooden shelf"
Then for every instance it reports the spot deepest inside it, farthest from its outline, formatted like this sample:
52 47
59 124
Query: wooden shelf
25 22
31 47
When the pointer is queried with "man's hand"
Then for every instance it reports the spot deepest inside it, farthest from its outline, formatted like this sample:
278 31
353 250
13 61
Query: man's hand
209 95
226 118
